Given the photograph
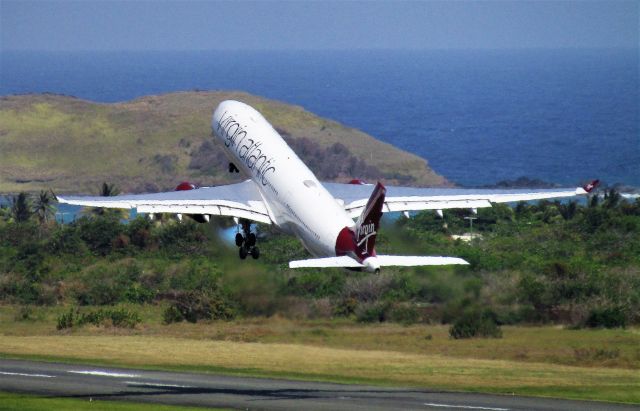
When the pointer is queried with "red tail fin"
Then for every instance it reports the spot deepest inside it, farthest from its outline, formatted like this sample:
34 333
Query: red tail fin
368 223
589 187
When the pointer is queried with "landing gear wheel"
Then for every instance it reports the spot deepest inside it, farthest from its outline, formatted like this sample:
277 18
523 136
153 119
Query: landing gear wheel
255 253
243 253
246 240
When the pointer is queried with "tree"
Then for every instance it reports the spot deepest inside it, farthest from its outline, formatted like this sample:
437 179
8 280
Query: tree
43 206
20 208
108 190
5 212
567 210
611 198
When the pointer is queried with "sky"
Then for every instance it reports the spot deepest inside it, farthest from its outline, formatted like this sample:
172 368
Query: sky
52 25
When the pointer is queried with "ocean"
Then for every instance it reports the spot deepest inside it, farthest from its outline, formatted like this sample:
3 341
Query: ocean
478 117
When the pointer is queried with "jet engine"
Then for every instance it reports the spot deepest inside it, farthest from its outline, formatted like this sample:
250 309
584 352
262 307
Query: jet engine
199 218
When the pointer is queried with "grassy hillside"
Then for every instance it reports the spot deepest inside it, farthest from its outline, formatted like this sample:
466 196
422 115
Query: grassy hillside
153 142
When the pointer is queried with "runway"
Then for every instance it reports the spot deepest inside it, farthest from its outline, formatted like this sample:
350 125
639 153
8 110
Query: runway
210 390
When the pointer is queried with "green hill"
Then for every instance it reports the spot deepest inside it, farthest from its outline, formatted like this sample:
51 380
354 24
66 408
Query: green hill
153 142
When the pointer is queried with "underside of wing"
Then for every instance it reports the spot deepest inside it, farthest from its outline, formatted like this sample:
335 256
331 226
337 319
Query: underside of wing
354 197
241 200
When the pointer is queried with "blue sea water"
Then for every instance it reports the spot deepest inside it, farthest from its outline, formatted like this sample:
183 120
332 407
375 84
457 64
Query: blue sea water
479 117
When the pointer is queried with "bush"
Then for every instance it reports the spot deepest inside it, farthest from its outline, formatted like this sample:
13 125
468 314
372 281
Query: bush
18 288
475 324
345 307
109 283
367 288
191 275
29 259
66 240
139 232
172 315
116 317
186 237
24 313
66 320
372 312
609 317
317 284
404 314
198 305
99 232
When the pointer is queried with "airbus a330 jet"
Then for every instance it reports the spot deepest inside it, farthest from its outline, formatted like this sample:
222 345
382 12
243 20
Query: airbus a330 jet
281 190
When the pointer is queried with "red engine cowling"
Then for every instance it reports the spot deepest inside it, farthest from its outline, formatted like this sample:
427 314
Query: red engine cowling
185 186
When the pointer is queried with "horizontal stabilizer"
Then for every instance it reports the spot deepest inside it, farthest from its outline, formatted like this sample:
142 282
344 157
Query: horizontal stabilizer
342 261
381 260
410 261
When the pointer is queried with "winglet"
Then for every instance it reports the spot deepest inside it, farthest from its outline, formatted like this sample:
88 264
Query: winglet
591 186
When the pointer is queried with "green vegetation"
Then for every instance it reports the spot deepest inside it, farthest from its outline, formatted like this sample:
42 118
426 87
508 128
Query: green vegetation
534 264
24 402
558 282
116 317
154 142
475 324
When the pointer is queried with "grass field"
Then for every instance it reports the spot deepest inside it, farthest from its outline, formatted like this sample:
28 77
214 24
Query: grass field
72 145
23 402
544 361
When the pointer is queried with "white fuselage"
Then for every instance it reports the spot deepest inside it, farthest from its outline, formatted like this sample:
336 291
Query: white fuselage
296 201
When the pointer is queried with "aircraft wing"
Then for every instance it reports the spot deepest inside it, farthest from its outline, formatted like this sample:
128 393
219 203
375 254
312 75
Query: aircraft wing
355 196
241 200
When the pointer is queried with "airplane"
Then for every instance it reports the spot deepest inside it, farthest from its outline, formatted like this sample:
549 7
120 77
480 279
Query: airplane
282 191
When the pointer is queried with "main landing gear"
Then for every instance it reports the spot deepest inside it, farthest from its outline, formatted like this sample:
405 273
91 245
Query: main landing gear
246 241
233 168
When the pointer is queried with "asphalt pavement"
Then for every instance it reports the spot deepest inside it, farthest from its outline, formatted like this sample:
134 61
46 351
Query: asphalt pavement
211 390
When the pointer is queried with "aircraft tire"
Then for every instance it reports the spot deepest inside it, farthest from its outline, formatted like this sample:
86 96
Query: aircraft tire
251 239
243 253
239 239
255 253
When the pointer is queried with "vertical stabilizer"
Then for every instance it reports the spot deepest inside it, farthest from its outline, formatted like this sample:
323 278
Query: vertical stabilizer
368 223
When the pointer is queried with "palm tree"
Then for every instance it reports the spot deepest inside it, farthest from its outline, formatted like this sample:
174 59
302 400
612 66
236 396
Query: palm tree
43 206
108 190
20 208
